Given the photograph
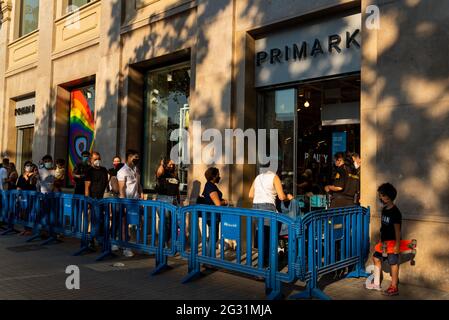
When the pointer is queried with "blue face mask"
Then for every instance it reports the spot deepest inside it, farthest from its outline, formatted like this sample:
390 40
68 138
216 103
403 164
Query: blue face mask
85 159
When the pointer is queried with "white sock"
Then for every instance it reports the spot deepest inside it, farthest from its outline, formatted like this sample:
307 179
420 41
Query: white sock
376 276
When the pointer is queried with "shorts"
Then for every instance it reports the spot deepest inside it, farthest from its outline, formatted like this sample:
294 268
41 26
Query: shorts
393 259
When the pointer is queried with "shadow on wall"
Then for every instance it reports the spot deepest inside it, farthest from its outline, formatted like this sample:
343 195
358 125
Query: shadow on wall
410 81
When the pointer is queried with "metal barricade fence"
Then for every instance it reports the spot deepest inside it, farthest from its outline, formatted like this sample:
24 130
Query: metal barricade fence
4 203
318 243
333 239
202 250
147 226
23 208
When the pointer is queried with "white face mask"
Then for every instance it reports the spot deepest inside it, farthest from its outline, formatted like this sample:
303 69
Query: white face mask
97 163
27 169
356 165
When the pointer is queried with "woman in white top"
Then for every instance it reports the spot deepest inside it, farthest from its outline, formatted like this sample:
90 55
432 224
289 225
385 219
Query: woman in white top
264 190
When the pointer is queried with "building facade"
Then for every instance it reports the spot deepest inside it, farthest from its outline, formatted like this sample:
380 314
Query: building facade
368 76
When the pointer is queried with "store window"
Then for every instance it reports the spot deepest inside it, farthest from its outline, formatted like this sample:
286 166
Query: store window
315 121
81 125
29 16
75 4
24 146
166 109
24 117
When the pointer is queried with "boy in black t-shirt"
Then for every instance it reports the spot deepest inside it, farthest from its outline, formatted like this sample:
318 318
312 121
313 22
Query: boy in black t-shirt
390 229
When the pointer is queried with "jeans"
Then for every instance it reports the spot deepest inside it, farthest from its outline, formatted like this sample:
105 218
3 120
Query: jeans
266 231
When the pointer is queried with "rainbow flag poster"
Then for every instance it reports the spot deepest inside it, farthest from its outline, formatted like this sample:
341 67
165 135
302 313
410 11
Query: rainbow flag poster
82 126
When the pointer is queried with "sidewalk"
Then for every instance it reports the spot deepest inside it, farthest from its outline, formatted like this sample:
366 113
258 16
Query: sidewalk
30 271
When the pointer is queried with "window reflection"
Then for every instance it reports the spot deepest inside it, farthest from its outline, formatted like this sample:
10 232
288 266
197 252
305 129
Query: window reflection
166 109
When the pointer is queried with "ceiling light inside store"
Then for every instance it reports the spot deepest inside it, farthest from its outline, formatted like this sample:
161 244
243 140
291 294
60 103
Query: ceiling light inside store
307 104
169 77
89 95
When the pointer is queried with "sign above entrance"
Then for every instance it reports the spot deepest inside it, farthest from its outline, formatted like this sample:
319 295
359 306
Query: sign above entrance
329 48
24 112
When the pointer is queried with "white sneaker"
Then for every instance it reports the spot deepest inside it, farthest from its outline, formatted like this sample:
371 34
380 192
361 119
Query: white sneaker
128 253
114 247
372 286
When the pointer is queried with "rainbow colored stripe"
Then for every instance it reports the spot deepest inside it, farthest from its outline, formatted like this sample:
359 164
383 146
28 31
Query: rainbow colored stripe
81 132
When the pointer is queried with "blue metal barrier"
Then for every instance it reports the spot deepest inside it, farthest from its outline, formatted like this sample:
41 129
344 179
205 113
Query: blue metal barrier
155 223
318 243
23 208
3 209
327 246
202 249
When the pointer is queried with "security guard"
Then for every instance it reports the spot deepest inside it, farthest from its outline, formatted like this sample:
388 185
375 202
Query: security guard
339 187
353 183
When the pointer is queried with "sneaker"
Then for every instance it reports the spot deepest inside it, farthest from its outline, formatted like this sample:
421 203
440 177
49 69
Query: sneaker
372 286
128 253
114 247
391 291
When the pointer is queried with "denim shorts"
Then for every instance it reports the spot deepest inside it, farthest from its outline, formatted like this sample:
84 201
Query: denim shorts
393 259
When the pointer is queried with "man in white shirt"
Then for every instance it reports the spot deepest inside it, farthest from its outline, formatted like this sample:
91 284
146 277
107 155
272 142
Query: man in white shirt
47 175
129 186
4 175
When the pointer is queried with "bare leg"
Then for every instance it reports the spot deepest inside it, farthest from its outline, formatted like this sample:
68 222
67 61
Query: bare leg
377 270
394 275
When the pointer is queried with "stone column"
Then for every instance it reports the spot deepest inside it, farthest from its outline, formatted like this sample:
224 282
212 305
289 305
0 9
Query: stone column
5 26
45 98
107 82
211 101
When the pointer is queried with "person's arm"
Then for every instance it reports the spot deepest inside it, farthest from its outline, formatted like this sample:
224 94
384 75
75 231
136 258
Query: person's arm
160 171
332 188
87 188
251 192
280 191
215 198
397 232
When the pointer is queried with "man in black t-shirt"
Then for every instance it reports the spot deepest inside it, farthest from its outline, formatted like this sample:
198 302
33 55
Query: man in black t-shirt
339 199
391 223
79 173
96 178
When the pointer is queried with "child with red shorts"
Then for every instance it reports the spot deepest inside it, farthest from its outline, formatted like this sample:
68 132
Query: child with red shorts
391 222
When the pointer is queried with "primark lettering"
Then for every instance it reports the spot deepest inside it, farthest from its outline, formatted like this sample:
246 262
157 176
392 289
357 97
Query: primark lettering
296 52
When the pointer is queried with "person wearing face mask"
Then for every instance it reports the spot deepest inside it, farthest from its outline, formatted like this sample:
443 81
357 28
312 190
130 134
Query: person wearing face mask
27 182
46 175
112 177
79 173
129 186
337 189
353 188
167 189
168 182
96 178
4 174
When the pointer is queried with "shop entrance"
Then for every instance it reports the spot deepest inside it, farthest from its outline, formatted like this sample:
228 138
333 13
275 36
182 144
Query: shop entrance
315 120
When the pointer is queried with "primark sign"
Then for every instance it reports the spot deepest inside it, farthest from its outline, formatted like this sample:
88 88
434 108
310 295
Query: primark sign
324 49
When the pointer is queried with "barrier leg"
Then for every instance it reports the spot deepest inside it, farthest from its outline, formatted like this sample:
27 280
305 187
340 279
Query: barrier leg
272 285
161 264
311 293
194 265
52 239
105 254
194 273
9 230
84 248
